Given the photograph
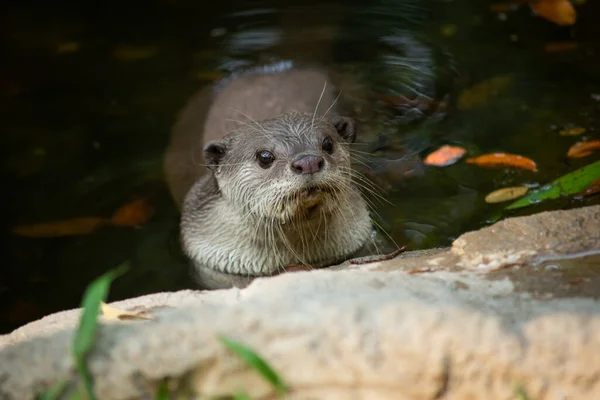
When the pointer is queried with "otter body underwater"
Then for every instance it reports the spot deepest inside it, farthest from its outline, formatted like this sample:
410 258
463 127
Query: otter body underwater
260 166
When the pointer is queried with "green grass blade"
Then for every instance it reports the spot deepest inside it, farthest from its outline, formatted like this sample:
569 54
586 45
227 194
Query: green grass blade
255 361
85 337
570 183
54 392
241 396
163 392
521 393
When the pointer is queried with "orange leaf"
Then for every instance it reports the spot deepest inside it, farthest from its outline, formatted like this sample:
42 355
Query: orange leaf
583 149
70 227
591 189
561 12
133 214
445 155
498 160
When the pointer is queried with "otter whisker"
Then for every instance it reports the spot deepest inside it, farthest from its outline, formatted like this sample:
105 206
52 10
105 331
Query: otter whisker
331 106
312 122
251 119
368 186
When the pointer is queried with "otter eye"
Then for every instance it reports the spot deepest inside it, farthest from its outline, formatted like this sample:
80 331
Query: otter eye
265 158
327 145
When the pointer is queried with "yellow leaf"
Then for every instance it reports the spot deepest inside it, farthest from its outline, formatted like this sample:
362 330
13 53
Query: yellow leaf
506 194
575 131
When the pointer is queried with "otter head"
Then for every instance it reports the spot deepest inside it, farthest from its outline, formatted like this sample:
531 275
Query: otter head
284 168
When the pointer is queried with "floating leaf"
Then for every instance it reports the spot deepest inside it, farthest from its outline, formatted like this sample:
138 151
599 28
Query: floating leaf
133 214
498 160
505 194
591 189
560 47
481 92
85 337
570 183
561 12
256 362
574 131
134 53
585 148
70 227
114 313
444 156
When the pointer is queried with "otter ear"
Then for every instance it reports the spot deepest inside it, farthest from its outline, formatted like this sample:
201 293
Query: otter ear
214 153
345 127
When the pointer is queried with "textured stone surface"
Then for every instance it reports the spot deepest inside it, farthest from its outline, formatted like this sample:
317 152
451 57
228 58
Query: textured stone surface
444 323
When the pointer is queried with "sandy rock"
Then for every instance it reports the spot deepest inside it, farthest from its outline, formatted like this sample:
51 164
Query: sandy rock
425 325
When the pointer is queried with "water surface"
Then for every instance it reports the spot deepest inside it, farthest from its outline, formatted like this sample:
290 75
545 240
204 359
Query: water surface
89 94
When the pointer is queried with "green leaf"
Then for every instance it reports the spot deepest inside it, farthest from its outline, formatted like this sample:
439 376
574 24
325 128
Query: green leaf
241 396
521 393
85 337
570 183
163 392
255 361
54 392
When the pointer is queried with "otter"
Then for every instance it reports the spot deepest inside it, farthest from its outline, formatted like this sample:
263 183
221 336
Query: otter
261 167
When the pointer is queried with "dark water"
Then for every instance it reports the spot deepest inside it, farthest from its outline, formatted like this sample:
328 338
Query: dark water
89 93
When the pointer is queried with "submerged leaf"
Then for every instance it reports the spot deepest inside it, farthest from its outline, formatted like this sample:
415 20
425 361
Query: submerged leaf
570 183
574 131
505 194
498 160
114 313
481 92
560 47
70 227
85 337
133 214
134 53
444 156
256 362
67 47
561 12
582 149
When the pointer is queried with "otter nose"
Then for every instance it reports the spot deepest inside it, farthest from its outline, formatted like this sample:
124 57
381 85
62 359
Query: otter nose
308 164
